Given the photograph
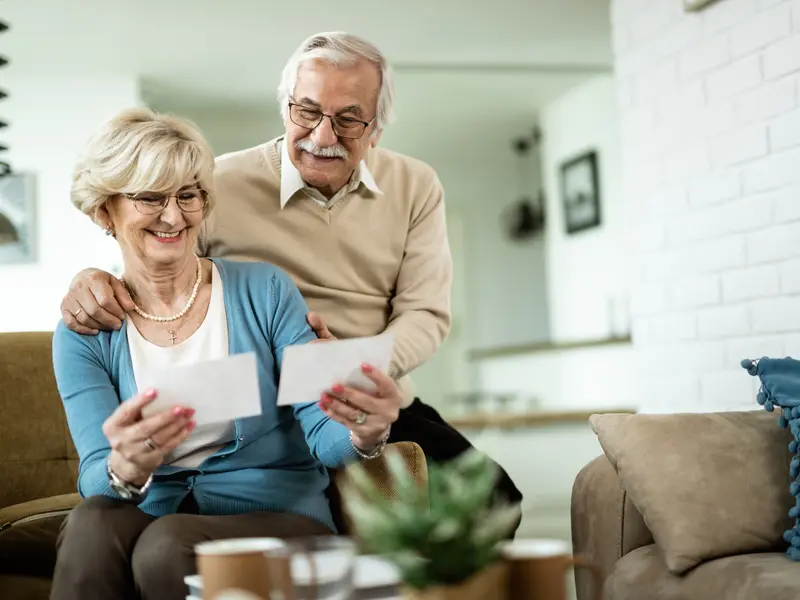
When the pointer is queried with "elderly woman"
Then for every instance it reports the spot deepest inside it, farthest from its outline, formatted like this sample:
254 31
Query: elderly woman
154 485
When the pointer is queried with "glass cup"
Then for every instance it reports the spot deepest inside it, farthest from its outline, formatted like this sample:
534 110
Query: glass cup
312 568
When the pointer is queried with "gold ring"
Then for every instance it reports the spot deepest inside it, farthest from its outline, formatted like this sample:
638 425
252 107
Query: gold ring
77 312
150 444
361 417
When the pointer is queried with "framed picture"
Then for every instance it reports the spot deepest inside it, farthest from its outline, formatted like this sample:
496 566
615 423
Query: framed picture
17 219
580 192
695 5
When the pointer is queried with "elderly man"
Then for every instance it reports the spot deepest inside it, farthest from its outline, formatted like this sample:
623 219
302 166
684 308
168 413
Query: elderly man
361 230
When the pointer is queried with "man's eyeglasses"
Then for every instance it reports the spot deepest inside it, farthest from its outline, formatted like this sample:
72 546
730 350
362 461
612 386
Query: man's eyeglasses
189 200
310 118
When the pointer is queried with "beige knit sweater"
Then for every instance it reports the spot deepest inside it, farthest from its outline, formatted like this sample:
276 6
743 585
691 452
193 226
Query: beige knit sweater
368 263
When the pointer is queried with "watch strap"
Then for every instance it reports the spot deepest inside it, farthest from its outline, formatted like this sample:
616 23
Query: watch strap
125 489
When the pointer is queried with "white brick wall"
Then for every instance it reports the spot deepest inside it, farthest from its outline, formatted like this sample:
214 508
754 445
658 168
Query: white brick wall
710 130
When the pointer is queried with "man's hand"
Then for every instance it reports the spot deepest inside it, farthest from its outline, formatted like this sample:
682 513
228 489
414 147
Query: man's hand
96 301
318 325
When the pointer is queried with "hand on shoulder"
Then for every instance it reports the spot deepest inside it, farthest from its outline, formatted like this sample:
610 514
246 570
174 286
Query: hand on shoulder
96 301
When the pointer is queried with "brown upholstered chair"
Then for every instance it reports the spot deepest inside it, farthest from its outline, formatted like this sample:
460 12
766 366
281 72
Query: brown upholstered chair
38 466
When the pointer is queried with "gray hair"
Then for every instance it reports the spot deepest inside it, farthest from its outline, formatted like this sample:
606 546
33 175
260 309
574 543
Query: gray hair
141 150
340 49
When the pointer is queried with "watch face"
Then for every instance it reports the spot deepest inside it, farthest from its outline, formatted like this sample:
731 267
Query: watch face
127 491
124 492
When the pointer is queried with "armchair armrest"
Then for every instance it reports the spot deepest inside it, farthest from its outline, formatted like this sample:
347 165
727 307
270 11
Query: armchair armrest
378 471
41 508
378 468
605 523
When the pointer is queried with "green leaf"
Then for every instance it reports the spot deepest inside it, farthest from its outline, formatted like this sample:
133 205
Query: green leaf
441 535
496 526
399 473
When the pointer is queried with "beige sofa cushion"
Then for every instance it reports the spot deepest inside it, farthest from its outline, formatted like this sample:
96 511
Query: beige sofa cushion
764 576
707 485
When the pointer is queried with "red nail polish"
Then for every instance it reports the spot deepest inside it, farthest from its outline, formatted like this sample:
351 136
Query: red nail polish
338 389
177 411
189 412
191 425
151 393
366 368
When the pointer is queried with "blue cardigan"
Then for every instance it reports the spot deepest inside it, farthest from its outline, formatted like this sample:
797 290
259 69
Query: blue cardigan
268 467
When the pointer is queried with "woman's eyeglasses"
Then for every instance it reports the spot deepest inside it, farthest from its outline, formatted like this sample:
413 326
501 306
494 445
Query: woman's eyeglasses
189 200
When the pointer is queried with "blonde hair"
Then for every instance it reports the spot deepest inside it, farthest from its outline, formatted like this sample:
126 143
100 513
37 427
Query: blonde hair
342 50
140 150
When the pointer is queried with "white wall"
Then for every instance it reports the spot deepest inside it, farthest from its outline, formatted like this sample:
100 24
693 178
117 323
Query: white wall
50 119
504 280
576 379
587 275
498 294
711 152
585 272
227 127
506 296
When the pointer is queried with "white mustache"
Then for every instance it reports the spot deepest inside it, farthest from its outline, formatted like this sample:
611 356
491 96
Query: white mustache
335 151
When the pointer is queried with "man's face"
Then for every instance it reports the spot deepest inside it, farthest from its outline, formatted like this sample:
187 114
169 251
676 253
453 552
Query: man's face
350 95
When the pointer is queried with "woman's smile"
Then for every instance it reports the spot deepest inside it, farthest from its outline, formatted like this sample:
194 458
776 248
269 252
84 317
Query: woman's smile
167 237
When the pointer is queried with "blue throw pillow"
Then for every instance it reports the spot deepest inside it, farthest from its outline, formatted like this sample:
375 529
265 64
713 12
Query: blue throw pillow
780 387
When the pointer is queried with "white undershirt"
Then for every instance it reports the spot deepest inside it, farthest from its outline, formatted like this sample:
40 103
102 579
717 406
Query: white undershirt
209 342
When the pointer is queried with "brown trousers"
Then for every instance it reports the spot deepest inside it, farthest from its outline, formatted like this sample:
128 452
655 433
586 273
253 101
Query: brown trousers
111 549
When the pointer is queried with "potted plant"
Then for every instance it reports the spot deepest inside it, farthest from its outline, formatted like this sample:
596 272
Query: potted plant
444 538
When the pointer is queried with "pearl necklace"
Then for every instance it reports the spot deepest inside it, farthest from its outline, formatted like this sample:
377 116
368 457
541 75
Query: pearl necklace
185 309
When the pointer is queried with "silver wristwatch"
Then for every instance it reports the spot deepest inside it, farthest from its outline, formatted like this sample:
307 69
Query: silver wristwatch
127 491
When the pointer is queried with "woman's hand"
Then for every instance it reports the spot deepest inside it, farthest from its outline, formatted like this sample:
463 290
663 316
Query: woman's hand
368 417
139 445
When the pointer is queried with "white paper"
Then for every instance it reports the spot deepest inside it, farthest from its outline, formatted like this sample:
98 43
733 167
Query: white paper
310 369
219 390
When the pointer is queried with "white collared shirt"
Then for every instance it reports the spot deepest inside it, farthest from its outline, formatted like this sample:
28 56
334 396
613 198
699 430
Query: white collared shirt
209 342
292 182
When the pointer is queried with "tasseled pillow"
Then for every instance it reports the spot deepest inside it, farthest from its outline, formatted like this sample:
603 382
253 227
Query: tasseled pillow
780 387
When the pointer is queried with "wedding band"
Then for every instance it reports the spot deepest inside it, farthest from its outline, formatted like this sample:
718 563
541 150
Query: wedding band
77 312
361 417
150 444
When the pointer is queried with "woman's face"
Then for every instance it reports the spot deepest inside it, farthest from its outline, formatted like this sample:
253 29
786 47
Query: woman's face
157 228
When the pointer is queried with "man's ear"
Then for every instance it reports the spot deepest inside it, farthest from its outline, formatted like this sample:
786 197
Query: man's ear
375 138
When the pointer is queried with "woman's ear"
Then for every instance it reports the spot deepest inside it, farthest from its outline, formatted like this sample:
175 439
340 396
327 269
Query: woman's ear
103 218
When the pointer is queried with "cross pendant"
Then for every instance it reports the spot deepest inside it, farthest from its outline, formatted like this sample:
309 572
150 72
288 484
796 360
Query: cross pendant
172 336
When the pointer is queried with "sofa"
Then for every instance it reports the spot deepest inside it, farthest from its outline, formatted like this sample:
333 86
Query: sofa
38 467
687 507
